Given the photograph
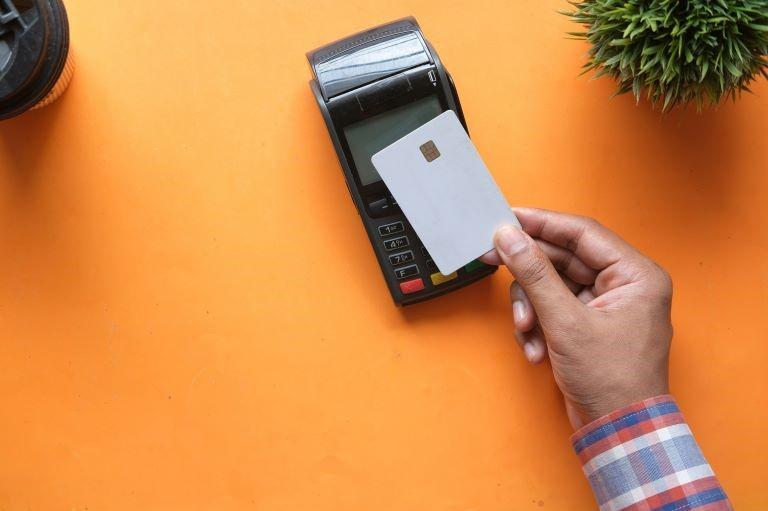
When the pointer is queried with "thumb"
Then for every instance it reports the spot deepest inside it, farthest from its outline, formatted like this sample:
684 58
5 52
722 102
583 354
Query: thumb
534 272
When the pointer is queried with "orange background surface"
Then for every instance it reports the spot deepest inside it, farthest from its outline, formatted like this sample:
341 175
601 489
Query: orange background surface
192 318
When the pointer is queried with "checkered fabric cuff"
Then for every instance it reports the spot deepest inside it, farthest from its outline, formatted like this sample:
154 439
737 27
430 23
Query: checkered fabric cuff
644 458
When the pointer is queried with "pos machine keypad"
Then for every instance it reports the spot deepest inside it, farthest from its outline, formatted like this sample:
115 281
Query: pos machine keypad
414 267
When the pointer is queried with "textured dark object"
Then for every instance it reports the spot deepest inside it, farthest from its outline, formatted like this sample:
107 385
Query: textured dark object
34 46
676 51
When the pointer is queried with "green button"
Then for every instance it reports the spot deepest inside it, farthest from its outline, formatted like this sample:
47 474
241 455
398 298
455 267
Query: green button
474 266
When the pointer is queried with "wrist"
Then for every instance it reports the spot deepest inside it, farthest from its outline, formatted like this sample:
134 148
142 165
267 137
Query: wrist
617 399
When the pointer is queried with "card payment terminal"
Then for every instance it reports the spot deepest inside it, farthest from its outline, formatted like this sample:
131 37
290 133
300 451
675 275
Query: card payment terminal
373 88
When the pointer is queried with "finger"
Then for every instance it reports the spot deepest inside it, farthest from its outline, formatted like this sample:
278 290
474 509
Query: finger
567 263
522 310
533 344
575 287
535 274
585 294
597 246
563 260
491 257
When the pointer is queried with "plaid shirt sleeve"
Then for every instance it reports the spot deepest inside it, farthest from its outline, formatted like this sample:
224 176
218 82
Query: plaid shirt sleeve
644 458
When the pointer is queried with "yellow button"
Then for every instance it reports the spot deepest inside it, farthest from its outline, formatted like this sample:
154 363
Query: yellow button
439 278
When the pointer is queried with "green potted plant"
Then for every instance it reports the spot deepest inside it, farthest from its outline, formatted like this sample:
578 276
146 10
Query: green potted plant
676 51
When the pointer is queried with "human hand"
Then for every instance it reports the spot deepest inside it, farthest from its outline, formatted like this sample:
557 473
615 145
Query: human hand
596 305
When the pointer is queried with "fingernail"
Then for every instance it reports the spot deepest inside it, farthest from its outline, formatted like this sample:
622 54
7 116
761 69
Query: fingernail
510 240
530 351
518 311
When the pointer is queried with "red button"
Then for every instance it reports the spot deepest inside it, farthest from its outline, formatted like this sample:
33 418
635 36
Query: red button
412 286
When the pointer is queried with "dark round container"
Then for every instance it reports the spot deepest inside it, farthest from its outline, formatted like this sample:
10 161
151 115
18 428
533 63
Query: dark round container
35 61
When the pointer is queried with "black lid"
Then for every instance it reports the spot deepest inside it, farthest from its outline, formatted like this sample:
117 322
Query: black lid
34 41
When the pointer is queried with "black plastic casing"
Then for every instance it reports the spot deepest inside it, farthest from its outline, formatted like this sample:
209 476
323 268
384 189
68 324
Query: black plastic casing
35 45
364 75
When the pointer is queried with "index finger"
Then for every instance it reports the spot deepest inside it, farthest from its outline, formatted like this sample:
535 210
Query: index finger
597 246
